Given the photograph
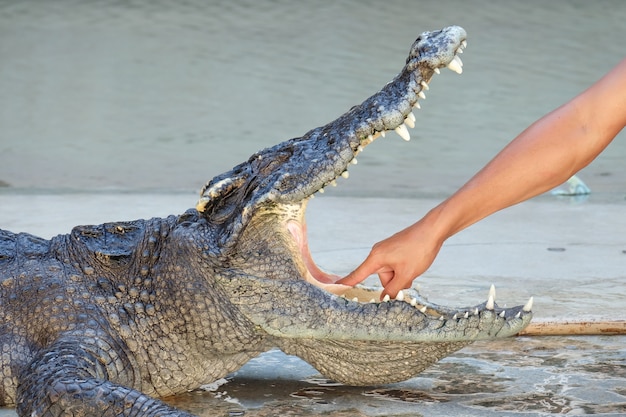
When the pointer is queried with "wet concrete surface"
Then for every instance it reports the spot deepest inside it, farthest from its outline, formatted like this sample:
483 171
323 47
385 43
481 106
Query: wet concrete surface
529 376
570 255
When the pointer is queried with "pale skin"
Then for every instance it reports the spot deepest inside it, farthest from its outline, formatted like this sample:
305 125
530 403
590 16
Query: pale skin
540 158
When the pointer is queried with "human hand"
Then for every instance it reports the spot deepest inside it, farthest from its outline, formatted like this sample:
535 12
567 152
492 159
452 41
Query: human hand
397 260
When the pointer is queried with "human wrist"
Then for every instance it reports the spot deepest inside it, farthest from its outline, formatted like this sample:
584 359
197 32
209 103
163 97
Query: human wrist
435 226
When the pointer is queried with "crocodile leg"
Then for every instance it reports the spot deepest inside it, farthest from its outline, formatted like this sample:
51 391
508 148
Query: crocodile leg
85 376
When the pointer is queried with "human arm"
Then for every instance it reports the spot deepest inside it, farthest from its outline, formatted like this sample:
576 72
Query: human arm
543 156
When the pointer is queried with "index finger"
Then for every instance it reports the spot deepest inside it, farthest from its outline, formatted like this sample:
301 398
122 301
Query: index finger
359 274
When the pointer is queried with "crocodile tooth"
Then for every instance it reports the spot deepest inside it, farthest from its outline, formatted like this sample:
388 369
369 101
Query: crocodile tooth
421 95
476 311
403 132
455 65
490 303
345 174
441 318
354 161
372 300
423 309
502 314
464 43
466 315
413 302
355 299
455 316
333 183
400 296
437 71
459 51
386 298
410 121
382 133
492 291
321 191
529 305
518 315
417 105
424 85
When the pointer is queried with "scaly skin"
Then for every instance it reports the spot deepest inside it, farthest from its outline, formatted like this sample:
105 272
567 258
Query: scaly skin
104 320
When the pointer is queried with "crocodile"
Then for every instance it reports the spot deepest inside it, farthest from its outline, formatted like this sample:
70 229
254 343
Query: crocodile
109 319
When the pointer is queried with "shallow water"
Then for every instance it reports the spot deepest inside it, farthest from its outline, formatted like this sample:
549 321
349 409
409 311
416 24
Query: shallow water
158 96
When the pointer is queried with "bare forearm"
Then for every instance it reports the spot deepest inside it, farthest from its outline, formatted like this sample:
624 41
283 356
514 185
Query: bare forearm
541 157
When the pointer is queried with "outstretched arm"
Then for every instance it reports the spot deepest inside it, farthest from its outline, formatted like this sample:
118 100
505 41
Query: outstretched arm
543 156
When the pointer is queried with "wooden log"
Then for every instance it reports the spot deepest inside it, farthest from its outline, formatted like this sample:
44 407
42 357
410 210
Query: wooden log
575 328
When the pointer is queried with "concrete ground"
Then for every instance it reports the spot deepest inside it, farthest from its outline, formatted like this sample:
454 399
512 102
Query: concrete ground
570 255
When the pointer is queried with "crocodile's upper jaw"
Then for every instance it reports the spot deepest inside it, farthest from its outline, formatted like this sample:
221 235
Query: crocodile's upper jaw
294 170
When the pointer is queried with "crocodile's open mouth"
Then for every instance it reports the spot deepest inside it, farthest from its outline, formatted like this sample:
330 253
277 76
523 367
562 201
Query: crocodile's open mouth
277 182
297 228
327 281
